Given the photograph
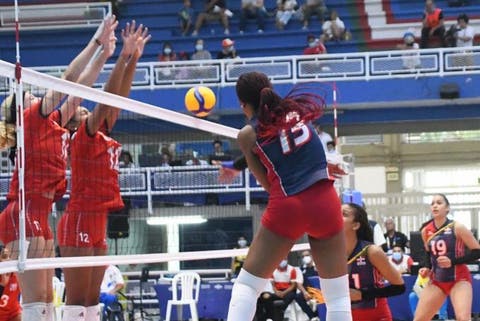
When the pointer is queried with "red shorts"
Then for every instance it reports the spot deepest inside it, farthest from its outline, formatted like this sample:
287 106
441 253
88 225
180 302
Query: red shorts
461 274
315 211
10 313
78 229
380 313
37 210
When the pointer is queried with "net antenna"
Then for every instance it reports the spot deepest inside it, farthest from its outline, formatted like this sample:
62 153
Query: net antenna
20 155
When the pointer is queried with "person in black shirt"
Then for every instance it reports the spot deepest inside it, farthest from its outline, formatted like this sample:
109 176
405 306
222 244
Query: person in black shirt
393 237
228 50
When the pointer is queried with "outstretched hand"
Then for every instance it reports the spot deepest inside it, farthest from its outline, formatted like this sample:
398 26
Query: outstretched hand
141 42
105 30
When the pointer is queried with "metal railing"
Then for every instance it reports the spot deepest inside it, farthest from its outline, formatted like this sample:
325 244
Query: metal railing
295 69
55 16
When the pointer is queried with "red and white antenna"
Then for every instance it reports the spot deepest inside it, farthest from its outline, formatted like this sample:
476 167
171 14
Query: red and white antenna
20 159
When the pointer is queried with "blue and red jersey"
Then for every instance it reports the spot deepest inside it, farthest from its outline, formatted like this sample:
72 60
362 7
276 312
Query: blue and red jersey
444 243
294 160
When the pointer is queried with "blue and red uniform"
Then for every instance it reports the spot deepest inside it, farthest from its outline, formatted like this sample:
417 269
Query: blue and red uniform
46 145
363 275
95 189
445 243
301 197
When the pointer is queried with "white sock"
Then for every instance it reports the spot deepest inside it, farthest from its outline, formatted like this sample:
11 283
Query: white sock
245 292
93 313
50 309
337 298
35 311
73 313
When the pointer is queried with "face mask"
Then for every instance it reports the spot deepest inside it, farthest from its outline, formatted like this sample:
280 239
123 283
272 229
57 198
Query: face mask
283 264
199 47
397 256
167 51
242 243
311 44
307 260
230 49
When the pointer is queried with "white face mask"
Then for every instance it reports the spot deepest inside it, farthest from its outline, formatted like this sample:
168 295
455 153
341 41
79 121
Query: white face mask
397 256
307 259
312 44
242 243
283 264
199 47
167 51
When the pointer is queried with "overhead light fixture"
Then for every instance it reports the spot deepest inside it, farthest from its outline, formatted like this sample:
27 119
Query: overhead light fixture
188 219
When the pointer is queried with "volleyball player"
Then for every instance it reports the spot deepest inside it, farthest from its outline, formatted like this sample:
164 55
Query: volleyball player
286 156
94 188
445 242
10 309
368 268
46 143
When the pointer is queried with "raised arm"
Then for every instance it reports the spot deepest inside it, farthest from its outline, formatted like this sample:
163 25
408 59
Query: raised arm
77 66
137 40
88 77
131 40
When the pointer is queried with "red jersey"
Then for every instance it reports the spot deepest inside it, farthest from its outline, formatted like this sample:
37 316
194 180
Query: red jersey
9 305
317 50
46 145
284 278
433 18
94 165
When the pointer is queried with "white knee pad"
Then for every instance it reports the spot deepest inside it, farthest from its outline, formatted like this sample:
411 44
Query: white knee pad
74 313
50 309
245 292
93 313
337 298
35 311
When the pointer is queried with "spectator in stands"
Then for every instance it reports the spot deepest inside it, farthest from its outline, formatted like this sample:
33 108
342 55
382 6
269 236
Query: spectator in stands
410 60
219 154
165 160
252 9
167 53
464 35
112 283
228 50
200 52
334 29
214 10
126 160
432 24
285 11
195 160
185 16
313 7
302 297
400 261
314 46
394 237
333 156
323 135
284 289
237 261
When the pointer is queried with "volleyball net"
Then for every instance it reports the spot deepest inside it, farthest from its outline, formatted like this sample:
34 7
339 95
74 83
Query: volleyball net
169 180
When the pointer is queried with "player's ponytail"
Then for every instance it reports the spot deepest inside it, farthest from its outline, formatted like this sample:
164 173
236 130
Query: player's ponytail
8 137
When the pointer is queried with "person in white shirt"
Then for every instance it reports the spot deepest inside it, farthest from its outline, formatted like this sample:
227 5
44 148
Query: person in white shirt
324 136
112 283
464 38
410 60
333 29
400 261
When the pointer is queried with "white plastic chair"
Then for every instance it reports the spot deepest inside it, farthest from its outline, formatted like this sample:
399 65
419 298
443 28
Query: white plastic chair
58 294
190 288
